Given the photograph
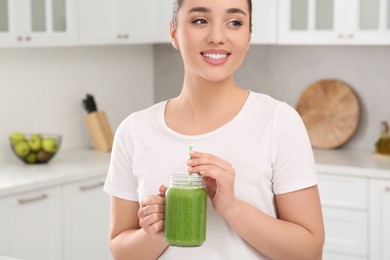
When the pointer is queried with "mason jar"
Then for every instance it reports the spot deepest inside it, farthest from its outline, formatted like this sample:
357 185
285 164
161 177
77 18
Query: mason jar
185 210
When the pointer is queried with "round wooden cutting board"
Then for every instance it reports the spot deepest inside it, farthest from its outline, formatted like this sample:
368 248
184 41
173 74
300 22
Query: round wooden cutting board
330 110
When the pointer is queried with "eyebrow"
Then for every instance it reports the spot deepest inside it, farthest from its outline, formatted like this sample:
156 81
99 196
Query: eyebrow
208 10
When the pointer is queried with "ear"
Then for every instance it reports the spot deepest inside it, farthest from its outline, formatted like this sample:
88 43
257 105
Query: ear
172 34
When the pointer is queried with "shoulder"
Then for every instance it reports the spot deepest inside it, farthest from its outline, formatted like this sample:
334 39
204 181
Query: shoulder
140 119
271 107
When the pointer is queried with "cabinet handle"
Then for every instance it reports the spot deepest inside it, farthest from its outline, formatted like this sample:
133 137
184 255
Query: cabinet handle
19 38
387 189
92 186
125 36
25 201
28 38
119 36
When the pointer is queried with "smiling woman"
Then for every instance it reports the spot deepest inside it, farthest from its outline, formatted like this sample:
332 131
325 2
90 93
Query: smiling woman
252 151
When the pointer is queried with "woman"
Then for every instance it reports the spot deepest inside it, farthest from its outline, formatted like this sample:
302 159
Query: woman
252 150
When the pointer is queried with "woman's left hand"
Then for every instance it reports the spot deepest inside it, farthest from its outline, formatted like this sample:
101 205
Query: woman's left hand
219 177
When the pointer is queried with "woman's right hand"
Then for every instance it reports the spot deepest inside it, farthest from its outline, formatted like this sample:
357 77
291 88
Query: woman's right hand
151 213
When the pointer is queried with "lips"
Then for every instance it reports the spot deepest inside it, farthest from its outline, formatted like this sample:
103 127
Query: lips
215 57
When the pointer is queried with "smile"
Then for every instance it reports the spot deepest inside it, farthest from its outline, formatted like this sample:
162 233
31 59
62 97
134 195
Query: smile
215 57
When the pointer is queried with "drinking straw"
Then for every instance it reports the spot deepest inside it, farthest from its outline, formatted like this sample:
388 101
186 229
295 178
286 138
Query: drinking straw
190 184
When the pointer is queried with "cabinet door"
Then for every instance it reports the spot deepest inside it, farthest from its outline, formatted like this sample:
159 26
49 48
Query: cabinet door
379 219
163 10
86 220
98 21
334 22
373 21
264 22
30 225
10 26
346 232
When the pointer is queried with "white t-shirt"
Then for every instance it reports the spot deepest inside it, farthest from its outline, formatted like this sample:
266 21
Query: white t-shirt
266 143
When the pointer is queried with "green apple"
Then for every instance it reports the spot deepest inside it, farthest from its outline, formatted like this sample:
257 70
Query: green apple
31 158
35 142
21 148
16 137
49 145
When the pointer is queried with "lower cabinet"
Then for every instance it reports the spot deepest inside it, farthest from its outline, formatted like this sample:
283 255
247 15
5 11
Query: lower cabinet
379 219
345 211
68 222
31 225
86 220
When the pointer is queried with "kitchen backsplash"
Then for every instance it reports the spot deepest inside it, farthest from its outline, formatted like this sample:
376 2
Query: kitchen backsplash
285 71
41 89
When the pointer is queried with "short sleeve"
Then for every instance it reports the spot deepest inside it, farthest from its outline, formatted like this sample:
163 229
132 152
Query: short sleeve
120 181
292 154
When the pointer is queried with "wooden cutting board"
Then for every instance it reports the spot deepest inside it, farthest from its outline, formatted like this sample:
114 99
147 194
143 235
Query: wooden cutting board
330 110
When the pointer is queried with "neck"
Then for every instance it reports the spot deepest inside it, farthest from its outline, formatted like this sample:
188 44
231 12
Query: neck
202 97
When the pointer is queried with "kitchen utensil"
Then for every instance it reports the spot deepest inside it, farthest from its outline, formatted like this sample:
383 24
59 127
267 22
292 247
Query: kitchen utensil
330 110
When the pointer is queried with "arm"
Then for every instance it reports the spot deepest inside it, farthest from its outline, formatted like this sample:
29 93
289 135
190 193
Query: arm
127 239
298 232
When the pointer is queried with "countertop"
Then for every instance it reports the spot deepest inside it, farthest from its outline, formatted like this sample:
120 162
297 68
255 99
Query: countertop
75 165
352 163
67 166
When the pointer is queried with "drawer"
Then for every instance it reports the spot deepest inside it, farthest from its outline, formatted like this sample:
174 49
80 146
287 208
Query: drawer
334 256
343 192
346 231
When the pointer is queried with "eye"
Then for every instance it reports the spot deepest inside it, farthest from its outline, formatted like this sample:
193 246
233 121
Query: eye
199 21
235 23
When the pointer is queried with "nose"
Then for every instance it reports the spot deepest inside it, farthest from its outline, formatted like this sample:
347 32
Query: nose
216 34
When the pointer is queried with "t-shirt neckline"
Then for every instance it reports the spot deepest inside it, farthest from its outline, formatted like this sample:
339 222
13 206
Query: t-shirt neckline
161 117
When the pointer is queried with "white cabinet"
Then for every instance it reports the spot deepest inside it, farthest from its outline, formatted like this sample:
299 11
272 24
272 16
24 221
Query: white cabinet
345 211
86 220
31 23
334 22
264 21
380 219
30 225
123 21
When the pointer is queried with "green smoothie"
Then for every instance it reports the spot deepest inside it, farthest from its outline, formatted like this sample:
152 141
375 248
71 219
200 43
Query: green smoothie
185 215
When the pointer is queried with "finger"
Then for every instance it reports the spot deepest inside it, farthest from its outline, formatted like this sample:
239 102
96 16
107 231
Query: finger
152 199
148 221
208 159
150 209
162 190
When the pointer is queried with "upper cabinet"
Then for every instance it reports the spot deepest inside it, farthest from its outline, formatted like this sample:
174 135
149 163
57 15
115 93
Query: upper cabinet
264 16
123 21
28 23
334 22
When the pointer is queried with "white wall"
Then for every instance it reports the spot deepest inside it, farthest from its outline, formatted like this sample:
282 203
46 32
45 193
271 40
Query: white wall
41 89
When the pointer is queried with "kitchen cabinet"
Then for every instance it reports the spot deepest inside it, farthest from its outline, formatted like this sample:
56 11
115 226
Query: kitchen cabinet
30 225
345 211
264 17
86 220
334 22
32 23
124 21
379 219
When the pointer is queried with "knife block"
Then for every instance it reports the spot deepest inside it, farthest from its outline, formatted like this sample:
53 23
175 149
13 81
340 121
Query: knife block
100 131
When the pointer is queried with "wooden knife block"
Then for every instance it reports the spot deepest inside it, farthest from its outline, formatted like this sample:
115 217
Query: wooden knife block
100 131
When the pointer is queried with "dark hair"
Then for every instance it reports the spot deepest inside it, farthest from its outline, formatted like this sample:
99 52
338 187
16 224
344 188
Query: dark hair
178 3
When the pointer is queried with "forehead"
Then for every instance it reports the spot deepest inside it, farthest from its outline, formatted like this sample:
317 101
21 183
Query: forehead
215 5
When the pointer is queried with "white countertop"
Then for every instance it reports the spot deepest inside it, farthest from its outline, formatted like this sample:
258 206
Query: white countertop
66 166
352 163
74 165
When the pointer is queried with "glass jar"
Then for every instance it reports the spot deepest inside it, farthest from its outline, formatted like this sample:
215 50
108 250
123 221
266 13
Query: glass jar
185 211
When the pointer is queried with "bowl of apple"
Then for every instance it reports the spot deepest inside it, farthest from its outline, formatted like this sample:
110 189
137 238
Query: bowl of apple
35 148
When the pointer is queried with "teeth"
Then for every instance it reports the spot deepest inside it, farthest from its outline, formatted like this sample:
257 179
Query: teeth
215 56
